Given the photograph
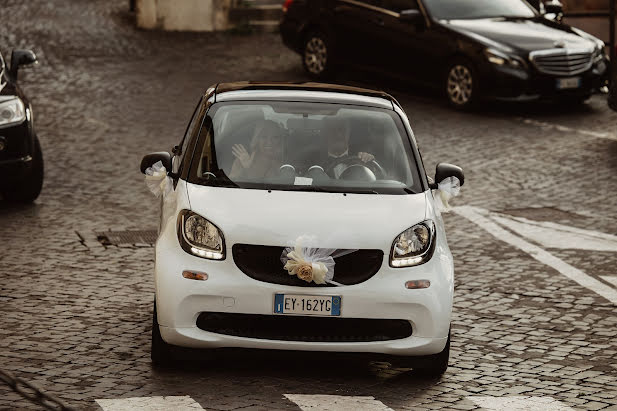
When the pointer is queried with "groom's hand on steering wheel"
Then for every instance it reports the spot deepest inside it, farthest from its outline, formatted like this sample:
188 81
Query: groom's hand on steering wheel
366 157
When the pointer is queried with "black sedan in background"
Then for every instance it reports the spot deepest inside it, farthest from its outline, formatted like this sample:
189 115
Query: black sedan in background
469 49
21 160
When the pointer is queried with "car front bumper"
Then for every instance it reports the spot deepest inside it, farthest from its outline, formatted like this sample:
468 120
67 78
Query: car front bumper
227 290
505 83
16 152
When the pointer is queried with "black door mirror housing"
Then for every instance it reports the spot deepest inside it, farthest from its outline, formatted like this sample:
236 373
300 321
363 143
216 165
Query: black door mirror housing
553 7
150 159
21 58
411 16
445 170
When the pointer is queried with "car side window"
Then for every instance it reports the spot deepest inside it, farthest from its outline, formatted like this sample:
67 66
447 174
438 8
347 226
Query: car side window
179 156
400 5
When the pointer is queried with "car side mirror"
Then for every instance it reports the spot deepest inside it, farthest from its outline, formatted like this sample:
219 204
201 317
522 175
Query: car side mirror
21 58
150 159
445 170
411 16
553 7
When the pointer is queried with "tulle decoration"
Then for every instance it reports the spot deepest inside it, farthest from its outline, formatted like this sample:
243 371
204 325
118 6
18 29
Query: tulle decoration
449 187
157 180
311 264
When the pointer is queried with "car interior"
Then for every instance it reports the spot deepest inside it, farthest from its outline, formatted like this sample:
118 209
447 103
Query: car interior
305 144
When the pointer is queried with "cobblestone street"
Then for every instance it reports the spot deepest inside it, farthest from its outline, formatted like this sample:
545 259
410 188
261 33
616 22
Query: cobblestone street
76 315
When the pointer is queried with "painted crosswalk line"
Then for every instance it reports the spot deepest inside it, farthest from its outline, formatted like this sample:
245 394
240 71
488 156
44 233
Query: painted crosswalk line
304 401
483 219
553 235
336 402
176 403
611 279
331 402
569 130
519 403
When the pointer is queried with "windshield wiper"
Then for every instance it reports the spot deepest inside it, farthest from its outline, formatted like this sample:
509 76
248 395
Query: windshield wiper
222 180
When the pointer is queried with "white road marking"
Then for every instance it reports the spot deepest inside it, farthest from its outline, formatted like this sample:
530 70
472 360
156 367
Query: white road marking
179 403
337 402
481 217
611 279
558 127
519 403
553 235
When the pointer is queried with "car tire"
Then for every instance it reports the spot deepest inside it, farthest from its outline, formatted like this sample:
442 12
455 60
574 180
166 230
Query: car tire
161 353
317 56
429 366
461 84
28 189
576 100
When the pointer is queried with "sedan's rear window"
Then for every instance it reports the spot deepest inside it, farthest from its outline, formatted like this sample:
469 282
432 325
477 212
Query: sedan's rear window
304 146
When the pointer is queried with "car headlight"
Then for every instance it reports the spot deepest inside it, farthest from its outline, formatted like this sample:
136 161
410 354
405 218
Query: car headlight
599 53
501 59
200 237
12 111
413 246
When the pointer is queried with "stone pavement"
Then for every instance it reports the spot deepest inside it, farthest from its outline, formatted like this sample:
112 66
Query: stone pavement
75 316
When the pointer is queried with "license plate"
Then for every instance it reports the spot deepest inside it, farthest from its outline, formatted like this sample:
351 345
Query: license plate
324 305
572 82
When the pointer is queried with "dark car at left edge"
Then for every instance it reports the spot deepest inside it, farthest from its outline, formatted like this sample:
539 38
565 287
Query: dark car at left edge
468 49
21 160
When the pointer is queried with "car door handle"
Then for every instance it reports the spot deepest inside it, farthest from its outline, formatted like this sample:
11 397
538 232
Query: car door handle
379 22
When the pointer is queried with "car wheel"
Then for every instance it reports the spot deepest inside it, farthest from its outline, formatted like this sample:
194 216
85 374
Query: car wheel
431 366
317 56
28 189
160 352
461 84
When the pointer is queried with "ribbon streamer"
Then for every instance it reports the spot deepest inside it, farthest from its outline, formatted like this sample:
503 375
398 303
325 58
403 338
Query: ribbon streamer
447 189
311 264
157 180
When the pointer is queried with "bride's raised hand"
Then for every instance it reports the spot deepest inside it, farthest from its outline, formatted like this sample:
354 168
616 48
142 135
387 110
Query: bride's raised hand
242 155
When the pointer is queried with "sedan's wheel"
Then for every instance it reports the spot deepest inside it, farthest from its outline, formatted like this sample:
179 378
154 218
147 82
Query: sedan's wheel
28 189
160 352
316 56
460 85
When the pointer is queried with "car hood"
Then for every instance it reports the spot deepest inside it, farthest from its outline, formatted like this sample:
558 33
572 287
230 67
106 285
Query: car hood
332 220
520 35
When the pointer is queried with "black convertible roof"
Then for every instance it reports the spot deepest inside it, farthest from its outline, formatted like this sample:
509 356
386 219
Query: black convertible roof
302 86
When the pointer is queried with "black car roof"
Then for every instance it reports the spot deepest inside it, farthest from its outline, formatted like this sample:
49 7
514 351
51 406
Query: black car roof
302 86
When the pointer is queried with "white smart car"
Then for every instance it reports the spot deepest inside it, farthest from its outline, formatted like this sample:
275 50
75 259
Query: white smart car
300 217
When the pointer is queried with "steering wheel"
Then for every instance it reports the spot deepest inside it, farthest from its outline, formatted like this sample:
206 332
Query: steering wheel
350 160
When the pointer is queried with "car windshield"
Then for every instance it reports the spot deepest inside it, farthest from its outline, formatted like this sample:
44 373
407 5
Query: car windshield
305 147
478 9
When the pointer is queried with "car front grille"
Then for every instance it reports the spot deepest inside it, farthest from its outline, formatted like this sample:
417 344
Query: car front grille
263 263
303 328
562 62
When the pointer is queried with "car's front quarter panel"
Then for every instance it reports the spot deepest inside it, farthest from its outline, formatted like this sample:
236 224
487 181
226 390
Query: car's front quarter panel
17 139
518 40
